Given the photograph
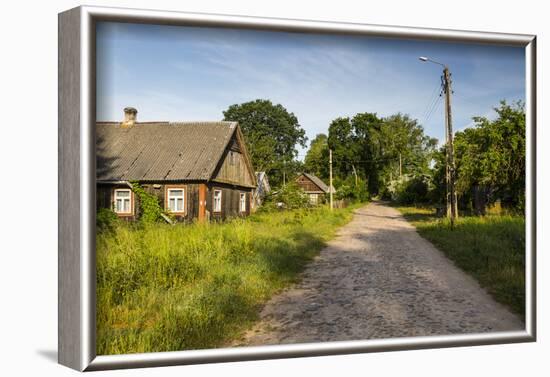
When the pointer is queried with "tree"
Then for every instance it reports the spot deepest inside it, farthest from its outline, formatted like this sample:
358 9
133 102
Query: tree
341 139
370 144
271 133
316 160
379 149
409 149
490 158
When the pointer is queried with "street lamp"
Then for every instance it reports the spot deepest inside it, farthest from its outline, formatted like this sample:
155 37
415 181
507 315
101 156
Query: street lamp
452 206
426 59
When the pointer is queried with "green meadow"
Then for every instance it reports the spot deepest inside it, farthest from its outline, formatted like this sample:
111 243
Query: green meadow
166 288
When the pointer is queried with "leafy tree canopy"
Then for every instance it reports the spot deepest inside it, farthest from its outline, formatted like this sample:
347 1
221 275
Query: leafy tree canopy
316 160
272 135
371 147
492 155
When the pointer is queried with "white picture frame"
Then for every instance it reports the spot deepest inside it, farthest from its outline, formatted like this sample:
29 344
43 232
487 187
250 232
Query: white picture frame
77 190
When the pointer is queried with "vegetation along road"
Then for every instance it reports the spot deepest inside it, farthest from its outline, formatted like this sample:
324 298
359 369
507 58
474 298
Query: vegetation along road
379 279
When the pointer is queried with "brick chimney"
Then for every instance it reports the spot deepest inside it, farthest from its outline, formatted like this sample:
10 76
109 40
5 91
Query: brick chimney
130 117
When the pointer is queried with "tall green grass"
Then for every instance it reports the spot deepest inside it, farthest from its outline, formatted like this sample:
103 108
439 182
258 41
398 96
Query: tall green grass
490 248
167 288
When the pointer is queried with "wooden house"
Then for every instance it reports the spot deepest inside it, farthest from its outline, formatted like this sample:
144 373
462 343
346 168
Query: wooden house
314 187
197 170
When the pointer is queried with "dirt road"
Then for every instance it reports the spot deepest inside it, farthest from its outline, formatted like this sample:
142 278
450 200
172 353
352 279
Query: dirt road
379 279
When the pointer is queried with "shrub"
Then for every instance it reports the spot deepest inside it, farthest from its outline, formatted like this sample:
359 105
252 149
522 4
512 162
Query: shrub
349 190
150 210
410 190
290 196
106 220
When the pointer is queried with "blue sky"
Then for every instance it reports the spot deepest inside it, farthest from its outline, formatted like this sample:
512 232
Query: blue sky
191 73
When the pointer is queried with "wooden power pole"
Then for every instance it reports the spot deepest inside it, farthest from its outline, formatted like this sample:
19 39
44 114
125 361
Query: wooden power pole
355 174
330 177
284 172
400 166
452 206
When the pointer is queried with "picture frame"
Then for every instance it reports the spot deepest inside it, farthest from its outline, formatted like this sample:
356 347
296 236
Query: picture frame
76 258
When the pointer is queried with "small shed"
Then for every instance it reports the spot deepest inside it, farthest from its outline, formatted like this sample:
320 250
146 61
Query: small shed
314 187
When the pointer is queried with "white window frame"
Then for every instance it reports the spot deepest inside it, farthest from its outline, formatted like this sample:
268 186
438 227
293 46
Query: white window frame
129 198
176 198
242 202
314 199
215 207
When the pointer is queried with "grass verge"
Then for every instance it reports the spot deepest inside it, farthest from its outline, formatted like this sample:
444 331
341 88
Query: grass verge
168 288
490 248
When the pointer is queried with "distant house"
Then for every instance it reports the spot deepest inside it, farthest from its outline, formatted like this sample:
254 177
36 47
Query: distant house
261 190
314 187
197 170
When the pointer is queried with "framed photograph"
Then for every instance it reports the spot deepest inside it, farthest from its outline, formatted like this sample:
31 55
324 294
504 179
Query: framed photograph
237 188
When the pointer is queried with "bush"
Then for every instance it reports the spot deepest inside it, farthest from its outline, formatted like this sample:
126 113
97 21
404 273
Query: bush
150 209
106 220
348 190
290 196
412 190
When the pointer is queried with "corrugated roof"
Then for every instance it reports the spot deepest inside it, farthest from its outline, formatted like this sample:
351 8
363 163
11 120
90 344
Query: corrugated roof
318 182
155 151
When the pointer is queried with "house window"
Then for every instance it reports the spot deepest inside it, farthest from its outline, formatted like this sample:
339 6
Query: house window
217 201
242 202
123 201
176 200
313 199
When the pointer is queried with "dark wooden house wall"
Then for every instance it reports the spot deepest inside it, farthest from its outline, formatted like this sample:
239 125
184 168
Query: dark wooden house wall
230 199
232 168
105 199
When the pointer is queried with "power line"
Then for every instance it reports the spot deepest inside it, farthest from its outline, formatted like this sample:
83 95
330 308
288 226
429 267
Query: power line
434 108
433 98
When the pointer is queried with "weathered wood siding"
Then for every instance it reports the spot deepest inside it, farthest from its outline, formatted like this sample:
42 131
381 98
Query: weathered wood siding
105 199
230 199
307 185
233 168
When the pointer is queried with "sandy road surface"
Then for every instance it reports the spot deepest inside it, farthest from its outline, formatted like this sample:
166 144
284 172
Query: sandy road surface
379 279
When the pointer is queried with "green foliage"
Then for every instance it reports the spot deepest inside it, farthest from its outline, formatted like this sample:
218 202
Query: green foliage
490 248
291 196
492 155
351 190
412 190
372 147
170 288
106 220
316 160
150 210
272 134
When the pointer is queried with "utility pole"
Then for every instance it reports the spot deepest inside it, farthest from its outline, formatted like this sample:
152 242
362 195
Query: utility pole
452 206
330 176
400 166
284 172
355 174
452 202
